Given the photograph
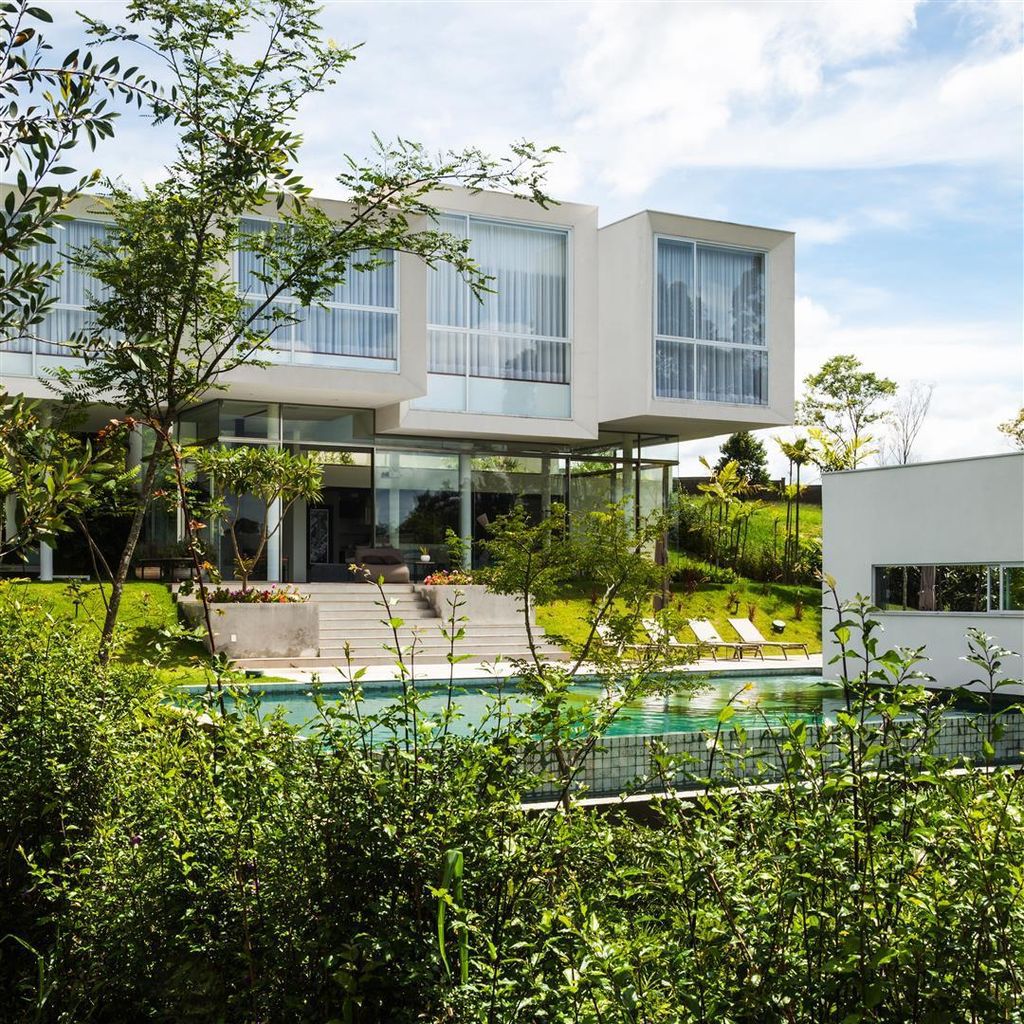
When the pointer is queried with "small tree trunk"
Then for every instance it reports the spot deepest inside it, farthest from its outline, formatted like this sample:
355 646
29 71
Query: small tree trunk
121 576
190 539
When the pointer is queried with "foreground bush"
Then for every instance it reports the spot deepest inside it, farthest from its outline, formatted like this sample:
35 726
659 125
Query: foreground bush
204 863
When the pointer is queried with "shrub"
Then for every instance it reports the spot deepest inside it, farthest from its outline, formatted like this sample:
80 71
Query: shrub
449 578
205 862
267 595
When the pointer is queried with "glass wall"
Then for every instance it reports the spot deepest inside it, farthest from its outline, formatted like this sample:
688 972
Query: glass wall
710 339
417 500
356 325
509 351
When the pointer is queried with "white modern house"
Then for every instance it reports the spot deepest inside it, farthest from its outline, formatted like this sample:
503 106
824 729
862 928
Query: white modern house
938 547
433 411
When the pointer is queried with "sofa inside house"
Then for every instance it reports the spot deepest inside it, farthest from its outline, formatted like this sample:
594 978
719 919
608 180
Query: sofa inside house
388 563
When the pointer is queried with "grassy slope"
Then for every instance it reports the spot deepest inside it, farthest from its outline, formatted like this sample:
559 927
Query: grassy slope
146 610
762 527
772 601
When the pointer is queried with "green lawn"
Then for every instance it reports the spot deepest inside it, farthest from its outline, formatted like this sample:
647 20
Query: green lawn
763 529
712 601
147 611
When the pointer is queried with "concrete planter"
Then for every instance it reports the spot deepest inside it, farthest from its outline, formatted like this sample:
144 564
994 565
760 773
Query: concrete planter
479 606
260 630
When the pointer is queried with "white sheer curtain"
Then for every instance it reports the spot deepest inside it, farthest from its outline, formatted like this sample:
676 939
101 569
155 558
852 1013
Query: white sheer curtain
347 332
673 369
529 301
448 298
730 295
529 270
731 375
74 288
519 359
675 288
335 329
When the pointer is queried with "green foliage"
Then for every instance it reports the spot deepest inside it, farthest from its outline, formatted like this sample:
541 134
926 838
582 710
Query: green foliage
268 475
1014 429
841 400
51 478
203 862
49 107
750 455
172 321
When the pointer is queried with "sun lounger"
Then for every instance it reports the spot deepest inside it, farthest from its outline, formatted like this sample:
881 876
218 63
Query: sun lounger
659 634
707 636
749 633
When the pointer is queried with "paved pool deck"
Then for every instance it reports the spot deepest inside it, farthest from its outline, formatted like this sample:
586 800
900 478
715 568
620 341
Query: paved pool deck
723 667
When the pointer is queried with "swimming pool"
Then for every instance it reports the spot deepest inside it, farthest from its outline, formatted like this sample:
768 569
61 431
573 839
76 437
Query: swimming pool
758 699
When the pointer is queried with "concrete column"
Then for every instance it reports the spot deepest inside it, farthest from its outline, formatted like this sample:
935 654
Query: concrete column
10 513
45 563
628 481
133 456
274 542
394 506
466 509
545 486
298 553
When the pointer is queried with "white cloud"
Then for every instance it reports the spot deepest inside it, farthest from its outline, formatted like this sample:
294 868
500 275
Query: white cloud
780 85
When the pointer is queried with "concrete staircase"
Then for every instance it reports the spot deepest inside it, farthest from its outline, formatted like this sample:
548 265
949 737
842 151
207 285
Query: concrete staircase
353 612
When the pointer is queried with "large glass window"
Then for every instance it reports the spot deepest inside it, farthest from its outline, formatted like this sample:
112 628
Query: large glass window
417 499
357 324
72 290
710 341
950 588
509 352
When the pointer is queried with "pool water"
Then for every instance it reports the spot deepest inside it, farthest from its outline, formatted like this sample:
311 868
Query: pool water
758 699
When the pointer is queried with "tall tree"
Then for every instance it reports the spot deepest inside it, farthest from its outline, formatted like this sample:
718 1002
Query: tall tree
749 454
905 420
174 323
842 400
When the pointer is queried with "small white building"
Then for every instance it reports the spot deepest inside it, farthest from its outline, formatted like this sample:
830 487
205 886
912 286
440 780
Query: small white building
938 547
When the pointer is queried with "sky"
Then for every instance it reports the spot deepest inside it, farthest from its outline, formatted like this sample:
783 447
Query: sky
889 136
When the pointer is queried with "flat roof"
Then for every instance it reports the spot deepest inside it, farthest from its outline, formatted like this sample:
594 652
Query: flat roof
933 462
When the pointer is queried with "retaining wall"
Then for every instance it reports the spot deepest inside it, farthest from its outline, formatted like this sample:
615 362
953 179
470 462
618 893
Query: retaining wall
618 762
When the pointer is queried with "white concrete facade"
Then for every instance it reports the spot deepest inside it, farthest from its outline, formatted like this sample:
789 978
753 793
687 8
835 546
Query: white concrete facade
564 373
611 284
960 514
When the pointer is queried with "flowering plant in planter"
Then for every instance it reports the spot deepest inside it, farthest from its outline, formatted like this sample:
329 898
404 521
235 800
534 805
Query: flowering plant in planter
449 578
269 595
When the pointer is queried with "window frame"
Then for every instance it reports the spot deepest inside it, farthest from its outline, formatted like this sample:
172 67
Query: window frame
657 336
322 359
465 333
993 588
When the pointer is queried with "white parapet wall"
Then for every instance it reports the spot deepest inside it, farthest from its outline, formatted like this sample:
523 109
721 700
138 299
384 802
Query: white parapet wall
959 513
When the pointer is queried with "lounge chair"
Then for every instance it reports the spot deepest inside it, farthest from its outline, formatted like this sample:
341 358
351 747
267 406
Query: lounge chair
749 633
659 634
707 636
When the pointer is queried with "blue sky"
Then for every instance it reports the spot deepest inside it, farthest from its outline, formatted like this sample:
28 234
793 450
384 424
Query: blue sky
888 135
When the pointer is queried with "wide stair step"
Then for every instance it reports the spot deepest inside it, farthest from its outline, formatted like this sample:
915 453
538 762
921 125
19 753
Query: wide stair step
353 613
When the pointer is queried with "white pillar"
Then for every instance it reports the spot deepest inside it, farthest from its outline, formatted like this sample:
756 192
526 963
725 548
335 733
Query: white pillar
274 542
628 484
133 456
394 505
45 563
466 509
10 517
545 487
